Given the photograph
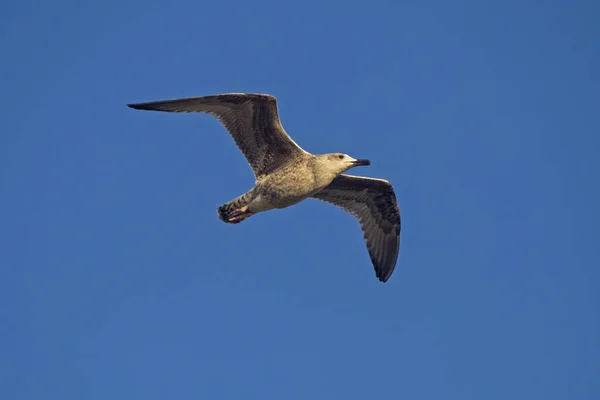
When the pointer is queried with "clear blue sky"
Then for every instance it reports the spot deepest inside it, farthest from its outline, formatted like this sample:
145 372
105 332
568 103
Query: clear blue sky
118 281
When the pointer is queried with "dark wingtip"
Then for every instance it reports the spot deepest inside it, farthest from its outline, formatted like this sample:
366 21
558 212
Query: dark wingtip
382 278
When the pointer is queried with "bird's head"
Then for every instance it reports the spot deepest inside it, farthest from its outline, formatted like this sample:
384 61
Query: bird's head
336 163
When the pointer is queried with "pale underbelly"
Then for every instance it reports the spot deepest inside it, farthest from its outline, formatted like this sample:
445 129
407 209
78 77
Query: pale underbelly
269 201
283 192
266 202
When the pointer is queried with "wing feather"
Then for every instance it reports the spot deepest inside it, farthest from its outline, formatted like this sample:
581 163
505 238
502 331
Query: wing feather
373 203
251 119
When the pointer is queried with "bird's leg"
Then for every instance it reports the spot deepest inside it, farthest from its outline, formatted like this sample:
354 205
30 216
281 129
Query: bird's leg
236 210
239 214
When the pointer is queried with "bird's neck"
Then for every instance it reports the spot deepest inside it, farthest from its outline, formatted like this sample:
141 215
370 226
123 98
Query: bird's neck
323 175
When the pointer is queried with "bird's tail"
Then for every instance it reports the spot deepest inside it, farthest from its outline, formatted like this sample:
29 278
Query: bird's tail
236 210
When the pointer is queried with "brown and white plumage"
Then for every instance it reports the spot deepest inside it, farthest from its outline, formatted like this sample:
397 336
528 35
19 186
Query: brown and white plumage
251 119
286 174
373 203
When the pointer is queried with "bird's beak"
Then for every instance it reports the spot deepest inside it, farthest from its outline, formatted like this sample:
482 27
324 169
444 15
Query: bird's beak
361 162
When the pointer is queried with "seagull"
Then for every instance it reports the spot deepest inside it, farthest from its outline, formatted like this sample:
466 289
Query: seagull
285 174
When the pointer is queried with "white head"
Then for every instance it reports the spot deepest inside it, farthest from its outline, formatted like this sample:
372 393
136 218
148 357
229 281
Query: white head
336 163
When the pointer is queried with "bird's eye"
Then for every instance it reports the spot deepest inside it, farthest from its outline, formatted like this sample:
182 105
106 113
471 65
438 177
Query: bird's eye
341 156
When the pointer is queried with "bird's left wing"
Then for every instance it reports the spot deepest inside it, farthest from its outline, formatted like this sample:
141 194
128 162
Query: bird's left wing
373 203
251 119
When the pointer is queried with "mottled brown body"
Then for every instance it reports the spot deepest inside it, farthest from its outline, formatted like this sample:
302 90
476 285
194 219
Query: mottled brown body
290 184
284 187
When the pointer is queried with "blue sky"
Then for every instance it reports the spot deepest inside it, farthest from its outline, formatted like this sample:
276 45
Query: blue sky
119 281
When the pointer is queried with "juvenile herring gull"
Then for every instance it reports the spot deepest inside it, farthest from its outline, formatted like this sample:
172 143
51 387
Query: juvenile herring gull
286 174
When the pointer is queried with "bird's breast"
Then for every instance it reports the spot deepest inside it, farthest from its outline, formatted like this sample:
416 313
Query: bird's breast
288 186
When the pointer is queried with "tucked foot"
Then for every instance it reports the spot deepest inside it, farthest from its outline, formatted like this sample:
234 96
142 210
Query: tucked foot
233 216
237 215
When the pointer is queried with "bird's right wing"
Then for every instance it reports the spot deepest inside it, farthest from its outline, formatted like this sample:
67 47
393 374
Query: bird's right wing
373 203
251 119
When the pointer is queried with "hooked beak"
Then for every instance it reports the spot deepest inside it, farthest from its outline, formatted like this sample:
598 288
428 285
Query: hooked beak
361 162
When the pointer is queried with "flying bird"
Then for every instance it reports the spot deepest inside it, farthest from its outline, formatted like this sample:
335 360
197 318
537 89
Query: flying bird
286 174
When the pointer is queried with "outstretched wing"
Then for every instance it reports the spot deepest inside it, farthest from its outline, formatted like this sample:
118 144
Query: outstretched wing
373 203
251 119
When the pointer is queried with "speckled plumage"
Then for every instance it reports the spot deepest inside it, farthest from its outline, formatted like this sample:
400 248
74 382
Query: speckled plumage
286 174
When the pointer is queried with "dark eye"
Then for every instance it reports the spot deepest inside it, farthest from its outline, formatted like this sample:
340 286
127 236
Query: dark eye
341 156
